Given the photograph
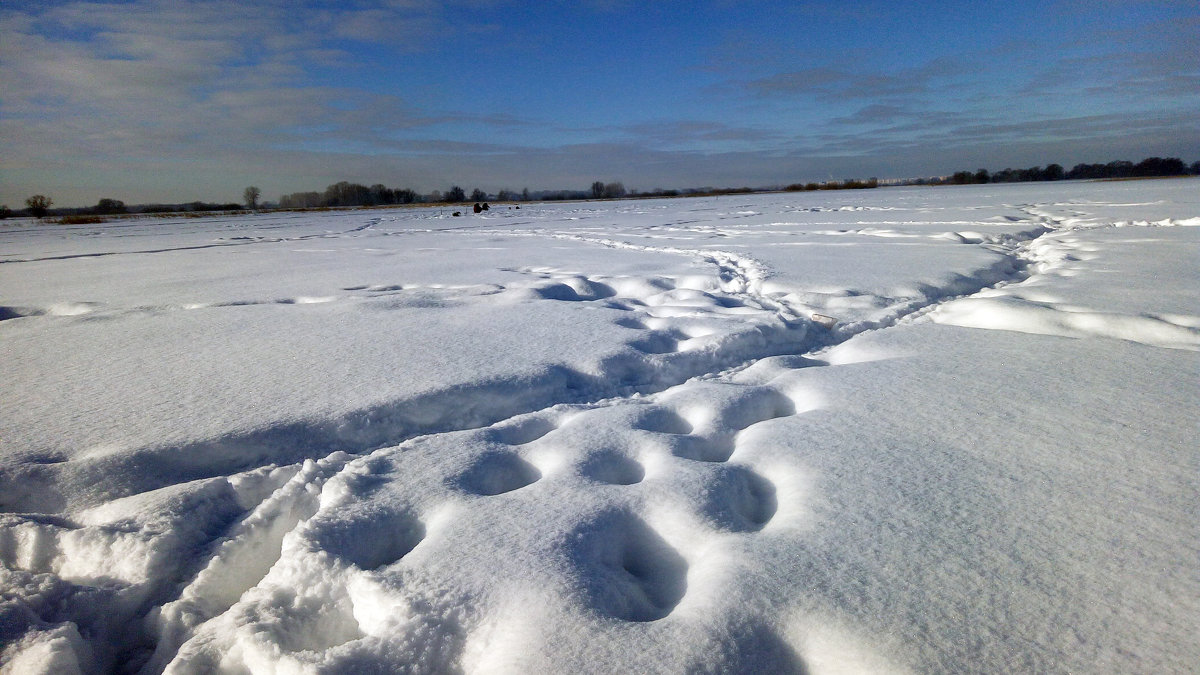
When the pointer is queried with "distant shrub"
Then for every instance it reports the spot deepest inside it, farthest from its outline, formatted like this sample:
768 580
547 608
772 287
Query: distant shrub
109 206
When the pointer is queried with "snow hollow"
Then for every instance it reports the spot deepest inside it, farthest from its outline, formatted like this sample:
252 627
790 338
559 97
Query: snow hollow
892 430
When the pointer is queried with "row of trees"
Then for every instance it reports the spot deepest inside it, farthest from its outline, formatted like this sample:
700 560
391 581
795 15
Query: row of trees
349 194
346 194
1147 168
602 190
848 184
353 194
38 206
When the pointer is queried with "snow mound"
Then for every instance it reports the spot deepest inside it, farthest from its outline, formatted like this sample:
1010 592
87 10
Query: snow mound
1029 317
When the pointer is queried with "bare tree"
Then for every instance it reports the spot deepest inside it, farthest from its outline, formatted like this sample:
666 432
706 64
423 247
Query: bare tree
614 190
38 205
601 190
251 197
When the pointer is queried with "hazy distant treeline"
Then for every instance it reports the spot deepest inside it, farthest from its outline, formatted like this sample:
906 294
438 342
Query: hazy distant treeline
353 194
1147 168
350 194
346 194
848 184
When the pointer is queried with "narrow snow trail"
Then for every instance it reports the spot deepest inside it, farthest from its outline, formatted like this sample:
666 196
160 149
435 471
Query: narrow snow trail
1025 305
740 275
744 277
239 241
661 500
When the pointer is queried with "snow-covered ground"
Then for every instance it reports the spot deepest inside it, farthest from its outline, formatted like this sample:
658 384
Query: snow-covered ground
610 437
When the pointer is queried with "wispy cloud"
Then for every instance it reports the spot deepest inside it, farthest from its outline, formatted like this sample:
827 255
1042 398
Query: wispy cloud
696 134
102 82
122 98
842 84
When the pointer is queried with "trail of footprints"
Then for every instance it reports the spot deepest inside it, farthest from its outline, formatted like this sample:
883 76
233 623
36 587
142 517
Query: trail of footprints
370 544
370 519
337 534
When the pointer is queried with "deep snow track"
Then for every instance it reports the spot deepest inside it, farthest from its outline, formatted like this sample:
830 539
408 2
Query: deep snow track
467 528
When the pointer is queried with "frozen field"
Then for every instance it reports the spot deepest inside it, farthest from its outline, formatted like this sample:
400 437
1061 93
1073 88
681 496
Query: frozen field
610 437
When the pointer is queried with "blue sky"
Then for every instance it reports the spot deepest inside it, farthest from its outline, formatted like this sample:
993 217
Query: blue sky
177 101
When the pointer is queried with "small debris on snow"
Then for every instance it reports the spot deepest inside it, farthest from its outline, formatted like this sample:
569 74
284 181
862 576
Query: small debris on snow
826 321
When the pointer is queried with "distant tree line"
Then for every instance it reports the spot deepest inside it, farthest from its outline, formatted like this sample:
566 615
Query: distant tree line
848 184
602 190
346 194
189 207
38 206
349 194
1147 168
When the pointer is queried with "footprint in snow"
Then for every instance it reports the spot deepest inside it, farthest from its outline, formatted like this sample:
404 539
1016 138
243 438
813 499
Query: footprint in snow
495 473
523 432
624 569
739 499
368 535
612 467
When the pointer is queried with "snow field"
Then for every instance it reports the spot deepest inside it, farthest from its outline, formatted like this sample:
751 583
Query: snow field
609 438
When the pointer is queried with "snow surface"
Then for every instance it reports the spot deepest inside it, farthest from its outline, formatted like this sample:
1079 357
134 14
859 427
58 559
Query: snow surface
610 437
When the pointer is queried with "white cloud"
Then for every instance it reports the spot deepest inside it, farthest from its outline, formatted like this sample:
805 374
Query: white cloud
120 99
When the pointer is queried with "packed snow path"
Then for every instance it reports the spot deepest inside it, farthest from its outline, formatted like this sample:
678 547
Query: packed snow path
609 437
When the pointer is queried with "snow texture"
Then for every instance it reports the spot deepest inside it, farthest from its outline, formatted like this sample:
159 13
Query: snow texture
895 430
